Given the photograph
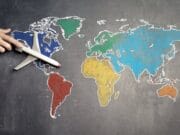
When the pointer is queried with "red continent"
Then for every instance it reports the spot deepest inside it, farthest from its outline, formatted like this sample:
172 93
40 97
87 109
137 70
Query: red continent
60 89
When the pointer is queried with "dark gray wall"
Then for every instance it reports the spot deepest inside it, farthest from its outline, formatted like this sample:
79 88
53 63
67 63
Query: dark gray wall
25 99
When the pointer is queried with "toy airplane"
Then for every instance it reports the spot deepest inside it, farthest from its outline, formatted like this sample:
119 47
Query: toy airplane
34 54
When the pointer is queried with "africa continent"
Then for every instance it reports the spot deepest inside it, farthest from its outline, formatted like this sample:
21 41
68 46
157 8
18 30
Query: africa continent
104 76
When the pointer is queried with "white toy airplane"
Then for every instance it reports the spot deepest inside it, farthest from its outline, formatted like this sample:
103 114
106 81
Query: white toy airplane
34 54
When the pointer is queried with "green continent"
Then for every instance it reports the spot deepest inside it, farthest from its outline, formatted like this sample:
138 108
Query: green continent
103 42
70 26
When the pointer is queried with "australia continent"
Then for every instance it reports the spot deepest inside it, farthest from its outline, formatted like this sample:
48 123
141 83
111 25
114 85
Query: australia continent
168 91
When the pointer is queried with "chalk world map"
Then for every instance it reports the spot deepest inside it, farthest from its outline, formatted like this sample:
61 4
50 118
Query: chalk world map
144 49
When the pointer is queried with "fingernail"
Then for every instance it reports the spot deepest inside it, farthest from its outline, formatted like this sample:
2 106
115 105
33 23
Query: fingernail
8 47
2 50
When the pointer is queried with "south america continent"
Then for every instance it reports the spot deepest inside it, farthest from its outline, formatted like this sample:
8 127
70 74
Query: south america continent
60 89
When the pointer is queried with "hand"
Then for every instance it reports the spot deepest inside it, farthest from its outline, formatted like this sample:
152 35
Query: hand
6 41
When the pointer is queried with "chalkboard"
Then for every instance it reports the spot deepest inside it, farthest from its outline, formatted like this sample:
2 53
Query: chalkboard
24 95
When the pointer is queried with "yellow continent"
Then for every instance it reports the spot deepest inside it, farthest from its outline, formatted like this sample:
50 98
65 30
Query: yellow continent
104 76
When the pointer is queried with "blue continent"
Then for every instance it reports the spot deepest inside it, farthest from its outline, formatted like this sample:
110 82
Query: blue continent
46 48
143 49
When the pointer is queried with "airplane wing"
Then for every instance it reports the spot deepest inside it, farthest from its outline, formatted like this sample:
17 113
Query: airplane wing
25 62
35 46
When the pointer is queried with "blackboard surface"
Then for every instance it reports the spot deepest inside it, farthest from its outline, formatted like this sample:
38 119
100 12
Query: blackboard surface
25 99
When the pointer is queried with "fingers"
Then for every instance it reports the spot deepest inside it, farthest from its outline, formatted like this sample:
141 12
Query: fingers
5 30
6 45
10 40
2 50
6 41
